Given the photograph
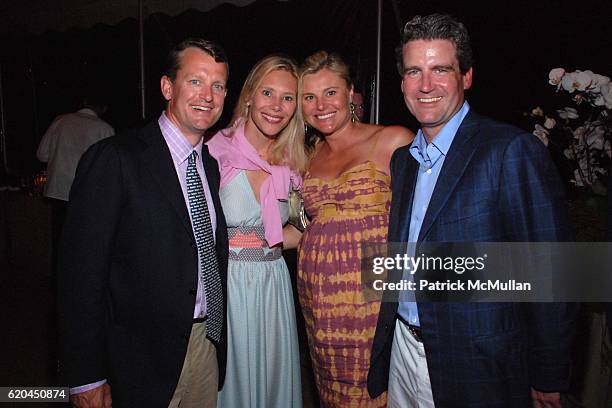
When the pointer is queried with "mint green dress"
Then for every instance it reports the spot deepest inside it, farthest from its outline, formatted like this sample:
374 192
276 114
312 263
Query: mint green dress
263 362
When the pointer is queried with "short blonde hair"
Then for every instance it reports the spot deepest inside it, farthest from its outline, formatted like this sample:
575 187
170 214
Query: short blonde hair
288 148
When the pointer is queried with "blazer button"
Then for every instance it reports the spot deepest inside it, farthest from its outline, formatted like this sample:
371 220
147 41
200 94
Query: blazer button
193 292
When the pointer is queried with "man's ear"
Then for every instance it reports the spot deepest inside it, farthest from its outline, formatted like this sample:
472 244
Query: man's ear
467 79
166 87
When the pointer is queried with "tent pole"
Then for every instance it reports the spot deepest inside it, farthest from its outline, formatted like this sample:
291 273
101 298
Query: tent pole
143 111
378 52
3 127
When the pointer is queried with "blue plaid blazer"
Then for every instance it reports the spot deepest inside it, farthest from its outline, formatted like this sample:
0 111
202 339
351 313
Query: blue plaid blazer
497 184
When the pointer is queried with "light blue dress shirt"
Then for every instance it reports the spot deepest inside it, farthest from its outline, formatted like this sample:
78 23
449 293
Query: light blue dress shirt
431 158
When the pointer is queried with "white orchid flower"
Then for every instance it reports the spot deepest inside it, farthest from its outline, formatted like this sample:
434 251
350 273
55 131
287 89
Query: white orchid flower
584 79
549 123
598 81
591 141
569 82
568 113
606 93
541 133
579 80
579 132
595 139
555 75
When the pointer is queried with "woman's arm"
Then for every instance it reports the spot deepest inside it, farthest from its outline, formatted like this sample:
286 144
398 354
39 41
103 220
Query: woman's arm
291 237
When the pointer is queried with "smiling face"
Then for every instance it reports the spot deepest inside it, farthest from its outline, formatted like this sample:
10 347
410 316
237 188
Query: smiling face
432 84
325 101
272 104
196 96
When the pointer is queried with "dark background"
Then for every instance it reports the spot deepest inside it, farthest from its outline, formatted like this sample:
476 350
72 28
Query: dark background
45 74
515 46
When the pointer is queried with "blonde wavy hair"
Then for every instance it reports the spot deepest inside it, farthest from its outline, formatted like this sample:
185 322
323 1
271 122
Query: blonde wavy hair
323 59
288 148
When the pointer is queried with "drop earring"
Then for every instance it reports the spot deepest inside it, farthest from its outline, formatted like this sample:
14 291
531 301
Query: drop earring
354 117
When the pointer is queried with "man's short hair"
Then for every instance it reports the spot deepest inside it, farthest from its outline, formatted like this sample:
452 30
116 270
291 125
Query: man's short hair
212 48
437 27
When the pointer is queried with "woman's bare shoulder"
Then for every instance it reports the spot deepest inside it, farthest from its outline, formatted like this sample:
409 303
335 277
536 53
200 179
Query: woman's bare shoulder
390 139
396 136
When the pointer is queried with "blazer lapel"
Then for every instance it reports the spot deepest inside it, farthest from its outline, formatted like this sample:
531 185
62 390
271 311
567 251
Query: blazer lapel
403 195
211 168
459 155
212 176
158 160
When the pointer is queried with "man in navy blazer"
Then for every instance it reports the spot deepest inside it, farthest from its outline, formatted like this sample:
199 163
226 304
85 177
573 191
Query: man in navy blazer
467 178
134 307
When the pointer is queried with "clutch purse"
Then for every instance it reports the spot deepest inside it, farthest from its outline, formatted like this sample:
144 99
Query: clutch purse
297 213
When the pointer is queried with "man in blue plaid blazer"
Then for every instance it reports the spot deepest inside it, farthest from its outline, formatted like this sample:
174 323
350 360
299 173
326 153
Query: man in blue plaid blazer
467 178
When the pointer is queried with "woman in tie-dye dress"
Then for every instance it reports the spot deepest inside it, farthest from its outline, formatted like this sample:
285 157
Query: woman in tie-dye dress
347 195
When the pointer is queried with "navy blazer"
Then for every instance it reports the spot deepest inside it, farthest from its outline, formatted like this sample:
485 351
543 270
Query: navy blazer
497 184
128 270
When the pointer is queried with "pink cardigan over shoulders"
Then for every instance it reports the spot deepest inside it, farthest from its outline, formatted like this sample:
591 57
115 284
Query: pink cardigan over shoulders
234 153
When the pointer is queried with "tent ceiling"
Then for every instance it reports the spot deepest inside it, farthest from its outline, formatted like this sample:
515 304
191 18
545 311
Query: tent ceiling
38 16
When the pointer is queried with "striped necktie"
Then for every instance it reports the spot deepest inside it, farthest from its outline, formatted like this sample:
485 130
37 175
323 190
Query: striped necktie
202 228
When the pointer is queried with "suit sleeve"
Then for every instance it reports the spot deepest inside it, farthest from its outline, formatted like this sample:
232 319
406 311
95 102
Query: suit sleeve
392 162
84 264
533 210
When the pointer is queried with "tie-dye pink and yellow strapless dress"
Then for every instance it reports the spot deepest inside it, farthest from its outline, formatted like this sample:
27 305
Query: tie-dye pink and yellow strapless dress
340 323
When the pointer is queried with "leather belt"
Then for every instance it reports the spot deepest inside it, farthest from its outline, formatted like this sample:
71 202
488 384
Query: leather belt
414 330
200 319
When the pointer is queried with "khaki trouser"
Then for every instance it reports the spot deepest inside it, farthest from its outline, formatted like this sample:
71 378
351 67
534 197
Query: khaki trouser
409 385
197 385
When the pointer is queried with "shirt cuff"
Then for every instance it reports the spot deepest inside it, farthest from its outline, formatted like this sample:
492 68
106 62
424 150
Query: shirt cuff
86 387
